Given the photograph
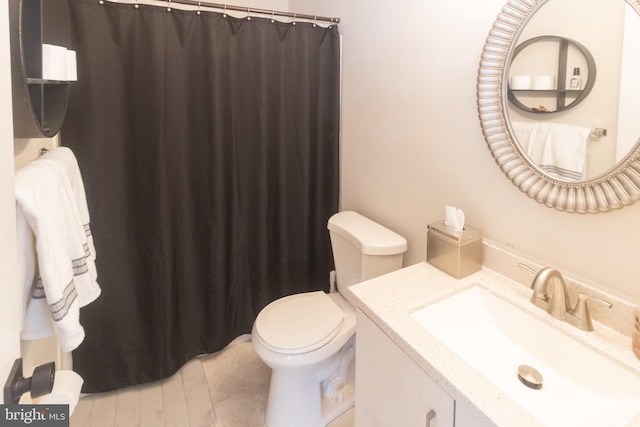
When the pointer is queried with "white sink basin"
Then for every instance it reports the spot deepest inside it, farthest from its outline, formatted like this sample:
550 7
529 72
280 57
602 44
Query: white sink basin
579 388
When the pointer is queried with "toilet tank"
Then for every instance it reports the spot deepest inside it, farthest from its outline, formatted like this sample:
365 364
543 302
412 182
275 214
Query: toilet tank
362 248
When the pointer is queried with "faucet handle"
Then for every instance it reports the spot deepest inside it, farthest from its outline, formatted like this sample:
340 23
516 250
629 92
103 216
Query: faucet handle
581 312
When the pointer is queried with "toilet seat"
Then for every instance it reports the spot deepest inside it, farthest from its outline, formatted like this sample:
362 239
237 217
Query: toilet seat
299 323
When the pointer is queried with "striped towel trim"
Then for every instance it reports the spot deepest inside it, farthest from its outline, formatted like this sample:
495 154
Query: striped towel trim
60 308
561 172
80 265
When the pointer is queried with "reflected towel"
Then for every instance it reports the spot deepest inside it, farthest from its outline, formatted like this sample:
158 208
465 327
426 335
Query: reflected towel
558 149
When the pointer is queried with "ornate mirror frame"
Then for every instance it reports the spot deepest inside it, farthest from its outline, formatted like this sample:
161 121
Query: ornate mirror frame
618 187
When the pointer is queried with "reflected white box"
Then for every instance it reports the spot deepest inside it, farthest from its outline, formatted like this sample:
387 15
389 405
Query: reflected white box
543 83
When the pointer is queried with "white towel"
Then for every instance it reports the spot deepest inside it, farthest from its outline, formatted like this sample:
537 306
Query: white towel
47 203
559 149
63 159
27 273
522 131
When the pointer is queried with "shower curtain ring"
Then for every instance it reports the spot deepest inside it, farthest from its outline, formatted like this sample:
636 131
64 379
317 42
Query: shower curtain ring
294 19
198 11
248 14
315 21
136 6
169 6
272 15
224 10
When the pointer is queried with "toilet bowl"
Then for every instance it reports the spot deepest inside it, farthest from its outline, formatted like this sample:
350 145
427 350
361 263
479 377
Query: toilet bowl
296 392
308 339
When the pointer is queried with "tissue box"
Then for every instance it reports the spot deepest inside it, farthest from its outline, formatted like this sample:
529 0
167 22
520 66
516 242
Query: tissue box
457 253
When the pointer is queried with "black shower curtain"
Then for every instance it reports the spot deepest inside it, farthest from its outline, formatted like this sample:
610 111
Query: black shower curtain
209 151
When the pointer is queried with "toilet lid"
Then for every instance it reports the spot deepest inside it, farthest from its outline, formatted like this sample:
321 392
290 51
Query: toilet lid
299 323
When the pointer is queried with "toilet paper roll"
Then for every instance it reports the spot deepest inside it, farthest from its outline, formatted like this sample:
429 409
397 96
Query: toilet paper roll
543 82
520 82
72 66
66 390
54 62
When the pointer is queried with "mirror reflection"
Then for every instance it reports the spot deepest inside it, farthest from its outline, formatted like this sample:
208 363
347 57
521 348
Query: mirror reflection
578 134
551 88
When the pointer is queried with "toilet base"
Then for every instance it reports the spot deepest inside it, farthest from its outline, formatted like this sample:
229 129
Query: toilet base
296 401
334 406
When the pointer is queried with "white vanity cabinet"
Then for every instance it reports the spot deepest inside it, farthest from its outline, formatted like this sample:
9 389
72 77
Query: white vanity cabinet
391 389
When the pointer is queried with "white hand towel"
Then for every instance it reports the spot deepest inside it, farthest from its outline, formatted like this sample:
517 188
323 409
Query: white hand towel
63 159
46 199
559 149
37 319
565 152
522 131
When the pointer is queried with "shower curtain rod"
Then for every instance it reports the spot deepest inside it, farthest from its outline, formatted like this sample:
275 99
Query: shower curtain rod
248 10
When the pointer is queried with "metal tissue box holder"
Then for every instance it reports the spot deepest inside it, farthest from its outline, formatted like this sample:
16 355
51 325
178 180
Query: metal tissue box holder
457 253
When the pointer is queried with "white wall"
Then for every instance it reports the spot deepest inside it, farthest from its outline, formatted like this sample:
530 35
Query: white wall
412 142
10 292
278 5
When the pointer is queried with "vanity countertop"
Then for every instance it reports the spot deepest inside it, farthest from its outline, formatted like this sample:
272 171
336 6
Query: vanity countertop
390 299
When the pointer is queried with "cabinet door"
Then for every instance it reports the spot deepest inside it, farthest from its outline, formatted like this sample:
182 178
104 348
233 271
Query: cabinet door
391 389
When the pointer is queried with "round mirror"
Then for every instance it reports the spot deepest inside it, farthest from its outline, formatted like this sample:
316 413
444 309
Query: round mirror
584 159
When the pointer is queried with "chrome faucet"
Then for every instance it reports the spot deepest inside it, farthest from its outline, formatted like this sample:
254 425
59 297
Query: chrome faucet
555 300
550 294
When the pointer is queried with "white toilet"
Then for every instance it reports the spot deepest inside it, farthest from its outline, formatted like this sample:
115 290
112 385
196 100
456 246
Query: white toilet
308 339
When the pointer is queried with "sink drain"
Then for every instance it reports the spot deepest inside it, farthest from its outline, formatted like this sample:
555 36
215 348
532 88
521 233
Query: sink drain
530 377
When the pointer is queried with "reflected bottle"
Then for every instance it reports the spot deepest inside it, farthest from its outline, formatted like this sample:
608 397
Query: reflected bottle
576 81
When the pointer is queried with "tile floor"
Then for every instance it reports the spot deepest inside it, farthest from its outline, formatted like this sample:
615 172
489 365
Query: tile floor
224 389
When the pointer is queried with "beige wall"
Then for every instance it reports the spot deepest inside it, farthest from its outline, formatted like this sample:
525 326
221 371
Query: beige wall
279 5
412 143
10 292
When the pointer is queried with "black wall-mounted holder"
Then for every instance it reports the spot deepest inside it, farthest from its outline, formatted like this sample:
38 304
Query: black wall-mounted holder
39 384
562 93
39 104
